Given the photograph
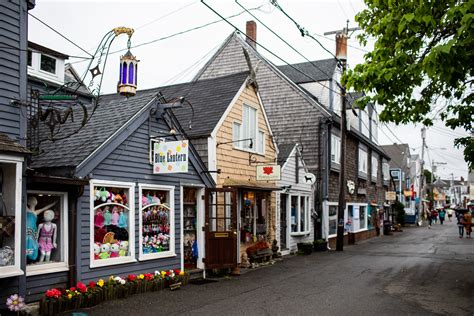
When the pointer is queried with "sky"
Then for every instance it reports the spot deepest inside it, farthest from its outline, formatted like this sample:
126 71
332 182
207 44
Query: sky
178 58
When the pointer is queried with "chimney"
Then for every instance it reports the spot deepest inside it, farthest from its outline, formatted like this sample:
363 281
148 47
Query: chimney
251 33
341 46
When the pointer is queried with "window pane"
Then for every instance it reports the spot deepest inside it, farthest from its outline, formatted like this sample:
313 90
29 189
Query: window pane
30 58
8 202
249 126
111 222
294 214
236 135
302 214
48 64
260 142
156 221
44 218
362 216
332 219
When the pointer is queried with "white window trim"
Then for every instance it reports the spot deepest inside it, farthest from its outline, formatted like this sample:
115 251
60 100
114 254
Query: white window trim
254 147
346 216
337 149
15 270
361 172
347 212
55 266
298 217
165 254
44 72
131 224
372 175
264 141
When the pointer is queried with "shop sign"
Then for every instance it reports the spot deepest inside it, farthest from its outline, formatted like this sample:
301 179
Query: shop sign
390 195
268 173
407 193
309 178
170 157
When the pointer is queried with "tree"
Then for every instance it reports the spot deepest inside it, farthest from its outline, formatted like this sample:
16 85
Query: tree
421 66
428 176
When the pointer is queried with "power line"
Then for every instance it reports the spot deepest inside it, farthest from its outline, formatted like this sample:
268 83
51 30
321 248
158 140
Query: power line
57 32
166 15
291 46
37 51
342 8
332 39
446 131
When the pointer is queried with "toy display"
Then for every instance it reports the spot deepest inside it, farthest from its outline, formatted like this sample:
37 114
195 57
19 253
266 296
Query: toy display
110 223
155 222
189 218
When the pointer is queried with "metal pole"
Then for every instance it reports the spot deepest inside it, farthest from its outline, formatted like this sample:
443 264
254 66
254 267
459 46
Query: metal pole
422 162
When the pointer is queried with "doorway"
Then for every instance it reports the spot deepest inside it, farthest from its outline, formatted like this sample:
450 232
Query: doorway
283 221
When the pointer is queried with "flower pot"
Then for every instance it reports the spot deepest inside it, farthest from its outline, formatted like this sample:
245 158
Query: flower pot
305 248
320 246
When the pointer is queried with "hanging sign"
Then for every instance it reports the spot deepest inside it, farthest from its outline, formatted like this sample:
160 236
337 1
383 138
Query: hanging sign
170 157
390 195
268 173
309 178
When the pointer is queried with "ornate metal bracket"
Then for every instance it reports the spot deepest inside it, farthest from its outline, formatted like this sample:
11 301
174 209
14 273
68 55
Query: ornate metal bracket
254 160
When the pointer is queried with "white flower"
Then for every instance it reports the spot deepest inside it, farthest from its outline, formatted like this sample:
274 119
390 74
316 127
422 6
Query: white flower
122 281
157 272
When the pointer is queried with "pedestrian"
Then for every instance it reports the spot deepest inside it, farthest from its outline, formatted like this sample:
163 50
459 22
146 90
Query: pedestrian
460 224
430 218
442 214
468 223
450 213
434 214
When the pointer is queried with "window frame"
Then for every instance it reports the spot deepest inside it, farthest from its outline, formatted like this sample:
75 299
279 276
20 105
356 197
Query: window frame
307 226
55 266
236 138
131 223
165 254
362 173
336 204
260 138
15 269
352 230
55 73
373 176
242 135
336 145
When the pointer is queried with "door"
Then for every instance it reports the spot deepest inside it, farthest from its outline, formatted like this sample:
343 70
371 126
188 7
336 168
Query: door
221 228
283 221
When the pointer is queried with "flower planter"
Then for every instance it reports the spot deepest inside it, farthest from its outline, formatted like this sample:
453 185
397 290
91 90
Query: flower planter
319 246
305 248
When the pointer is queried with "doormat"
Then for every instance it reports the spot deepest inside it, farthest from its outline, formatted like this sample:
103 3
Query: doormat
201 281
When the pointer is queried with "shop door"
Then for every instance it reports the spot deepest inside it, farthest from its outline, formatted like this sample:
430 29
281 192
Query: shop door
221 228
283 220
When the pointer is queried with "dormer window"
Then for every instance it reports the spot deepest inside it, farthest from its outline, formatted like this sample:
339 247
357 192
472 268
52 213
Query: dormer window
48 64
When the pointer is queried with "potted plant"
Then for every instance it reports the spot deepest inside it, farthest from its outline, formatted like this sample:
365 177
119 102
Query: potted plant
305 248
320 245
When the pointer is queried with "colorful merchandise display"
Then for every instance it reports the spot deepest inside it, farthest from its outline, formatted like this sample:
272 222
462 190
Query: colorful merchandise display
155 222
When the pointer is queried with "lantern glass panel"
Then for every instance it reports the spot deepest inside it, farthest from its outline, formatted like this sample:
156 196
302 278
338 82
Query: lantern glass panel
120 73
130 73
124 73
136 73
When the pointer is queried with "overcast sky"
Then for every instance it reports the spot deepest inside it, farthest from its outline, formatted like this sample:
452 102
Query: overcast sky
177 59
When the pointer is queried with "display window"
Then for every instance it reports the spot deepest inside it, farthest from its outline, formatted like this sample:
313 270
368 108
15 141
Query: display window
363 216
156 222
299 214
332 219
112 222
253 216
46 232
10 215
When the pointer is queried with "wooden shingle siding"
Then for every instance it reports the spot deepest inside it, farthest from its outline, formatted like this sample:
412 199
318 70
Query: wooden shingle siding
130 163
12 33
201 146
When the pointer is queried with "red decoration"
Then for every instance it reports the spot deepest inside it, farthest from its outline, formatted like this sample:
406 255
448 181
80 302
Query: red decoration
268 170
81 287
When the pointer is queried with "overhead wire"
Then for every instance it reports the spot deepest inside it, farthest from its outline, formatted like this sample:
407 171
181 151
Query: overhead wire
60 34
166 15
37 51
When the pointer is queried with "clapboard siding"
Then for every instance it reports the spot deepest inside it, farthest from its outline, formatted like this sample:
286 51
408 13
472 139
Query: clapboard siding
130 163
201 146
281 99
288 177
37 285
13 21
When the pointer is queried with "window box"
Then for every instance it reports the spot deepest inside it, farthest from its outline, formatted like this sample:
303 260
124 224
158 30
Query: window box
11 188
156 222
112 223
52 252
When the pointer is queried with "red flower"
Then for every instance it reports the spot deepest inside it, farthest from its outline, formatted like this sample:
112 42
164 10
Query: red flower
177 271
168 273
81 287
131 277
53 293
148 276
92 284
72 289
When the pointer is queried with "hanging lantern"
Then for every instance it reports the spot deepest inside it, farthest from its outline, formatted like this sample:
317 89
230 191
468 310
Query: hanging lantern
127 85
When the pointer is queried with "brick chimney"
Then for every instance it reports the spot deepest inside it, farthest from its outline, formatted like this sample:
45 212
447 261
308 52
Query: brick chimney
251 33
341 46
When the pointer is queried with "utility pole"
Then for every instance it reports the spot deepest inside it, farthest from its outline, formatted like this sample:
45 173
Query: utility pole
422 163
341 56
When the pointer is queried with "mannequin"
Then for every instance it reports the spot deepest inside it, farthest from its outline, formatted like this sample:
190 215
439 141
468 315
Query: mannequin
47 234
31 229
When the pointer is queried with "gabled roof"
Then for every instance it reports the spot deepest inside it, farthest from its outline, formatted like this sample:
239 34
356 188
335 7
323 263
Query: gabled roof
317 70
397 154
8 145
284 151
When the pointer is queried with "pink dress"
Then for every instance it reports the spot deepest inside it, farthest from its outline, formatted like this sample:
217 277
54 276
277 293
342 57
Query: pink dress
45 241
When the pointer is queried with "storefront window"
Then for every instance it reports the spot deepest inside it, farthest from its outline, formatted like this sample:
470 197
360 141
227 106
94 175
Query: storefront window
332 219
10 215
112 222
350 219
362 215
253 216
157 222
46 232
299 214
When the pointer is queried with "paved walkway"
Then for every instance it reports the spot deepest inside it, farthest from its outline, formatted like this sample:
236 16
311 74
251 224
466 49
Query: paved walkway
419 271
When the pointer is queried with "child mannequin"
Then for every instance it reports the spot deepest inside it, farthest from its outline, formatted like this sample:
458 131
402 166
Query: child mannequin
47 236
31 229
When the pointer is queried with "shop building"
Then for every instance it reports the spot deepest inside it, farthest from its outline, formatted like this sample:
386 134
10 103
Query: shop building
127 216
231 132
295 208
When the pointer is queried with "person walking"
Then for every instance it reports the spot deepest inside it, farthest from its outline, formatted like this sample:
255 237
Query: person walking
450 213
434 214
460 224
442 214
468 223
430 218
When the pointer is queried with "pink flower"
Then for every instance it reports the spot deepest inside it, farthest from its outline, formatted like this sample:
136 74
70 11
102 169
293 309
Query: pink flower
81 287
15 303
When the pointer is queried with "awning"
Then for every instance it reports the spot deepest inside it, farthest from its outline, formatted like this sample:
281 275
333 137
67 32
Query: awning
253 185
9 145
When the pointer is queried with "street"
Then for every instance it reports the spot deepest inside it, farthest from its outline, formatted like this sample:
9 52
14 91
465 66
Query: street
419 271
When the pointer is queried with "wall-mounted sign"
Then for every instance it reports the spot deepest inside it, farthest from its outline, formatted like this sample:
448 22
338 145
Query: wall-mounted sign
390 195
362 191
351 186
309 178
170 157
268 173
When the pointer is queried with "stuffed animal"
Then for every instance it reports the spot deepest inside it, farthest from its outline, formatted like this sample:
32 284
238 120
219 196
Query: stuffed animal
110 197
114 250
97 194
150 198
156 199
118 198
124 198
103 195
104 251
123 248
96 250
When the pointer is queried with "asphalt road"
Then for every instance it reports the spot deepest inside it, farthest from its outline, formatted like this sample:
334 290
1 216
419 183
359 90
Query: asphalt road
418 271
